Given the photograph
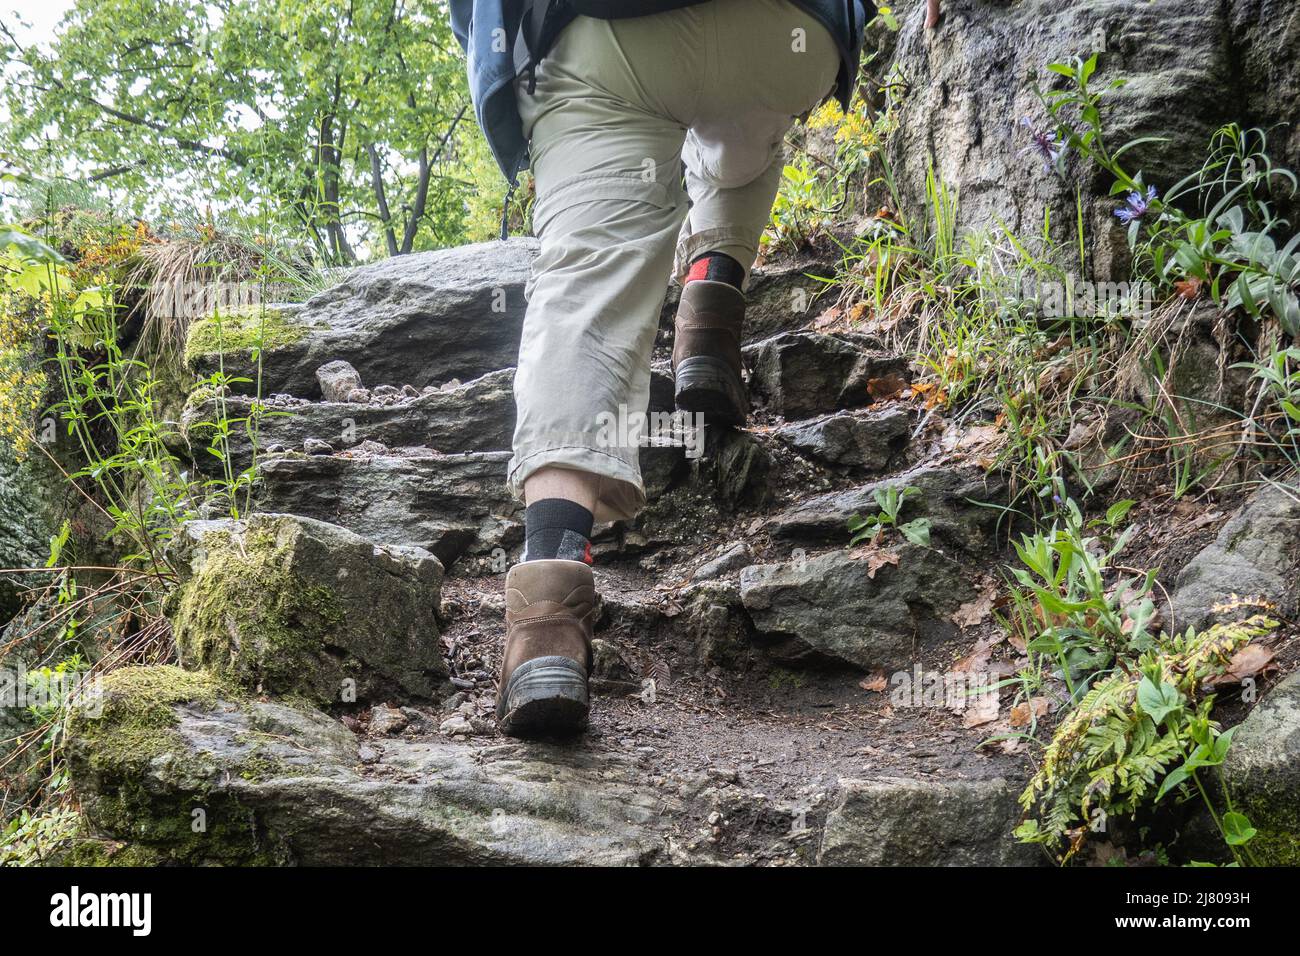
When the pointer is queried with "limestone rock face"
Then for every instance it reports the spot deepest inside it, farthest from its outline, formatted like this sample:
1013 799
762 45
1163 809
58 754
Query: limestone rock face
287 605
30 505
1191 67
1262 772
1257 554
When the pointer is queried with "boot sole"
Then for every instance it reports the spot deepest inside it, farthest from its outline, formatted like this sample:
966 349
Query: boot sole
709 386
546 697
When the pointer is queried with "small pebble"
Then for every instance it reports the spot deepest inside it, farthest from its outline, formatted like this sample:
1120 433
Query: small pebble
456 726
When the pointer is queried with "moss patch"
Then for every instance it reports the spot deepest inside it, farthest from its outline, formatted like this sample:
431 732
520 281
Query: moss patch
239 332
94 852
250 619
141 784
136 722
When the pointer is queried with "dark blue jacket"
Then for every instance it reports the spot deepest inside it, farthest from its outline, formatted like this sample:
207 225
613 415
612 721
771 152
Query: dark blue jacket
495 55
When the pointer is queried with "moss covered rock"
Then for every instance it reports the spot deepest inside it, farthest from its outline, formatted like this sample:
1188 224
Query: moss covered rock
1262 774
286 605
151 793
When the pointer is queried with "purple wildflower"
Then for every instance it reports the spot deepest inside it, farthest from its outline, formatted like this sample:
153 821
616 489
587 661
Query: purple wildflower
1137 205
1045 143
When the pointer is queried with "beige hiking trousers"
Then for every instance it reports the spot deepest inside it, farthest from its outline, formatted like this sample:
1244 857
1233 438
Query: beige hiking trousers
619 107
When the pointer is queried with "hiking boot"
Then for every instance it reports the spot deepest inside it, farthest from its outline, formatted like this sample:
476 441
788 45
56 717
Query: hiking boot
550 610
706 352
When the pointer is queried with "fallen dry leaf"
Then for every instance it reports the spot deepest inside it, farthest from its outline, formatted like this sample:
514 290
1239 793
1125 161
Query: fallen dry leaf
980 710
875 683
1024 713
977 661
875 557
1210 517
886 387
1250 661
977 611
829 317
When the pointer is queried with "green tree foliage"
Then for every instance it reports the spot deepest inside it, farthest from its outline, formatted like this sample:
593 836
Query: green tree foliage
346 118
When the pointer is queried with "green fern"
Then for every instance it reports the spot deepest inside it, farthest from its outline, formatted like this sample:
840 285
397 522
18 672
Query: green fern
1119 750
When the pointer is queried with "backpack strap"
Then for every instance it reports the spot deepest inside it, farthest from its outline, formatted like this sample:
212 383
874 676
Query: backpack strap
534 27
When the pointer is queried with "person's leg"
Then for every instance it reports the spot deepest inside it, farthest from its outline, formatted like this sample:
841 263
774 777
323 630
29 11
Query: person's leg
606 130
775 64
606 125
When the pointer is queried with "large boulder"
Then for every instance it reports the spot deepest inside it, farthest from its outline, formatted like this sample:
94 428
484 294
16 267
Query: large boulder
905 822
1262 773
282 604
1191 67
473 416
409 320
852 609
1256 555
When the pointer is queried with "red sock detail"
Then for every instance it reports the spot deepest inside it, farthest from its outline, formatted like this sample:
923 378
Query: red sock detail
586 554
716 267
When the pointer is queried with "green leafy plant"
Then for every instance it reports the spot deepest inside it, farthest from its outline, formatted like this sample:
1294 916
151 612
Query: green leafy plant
1066 608
890 501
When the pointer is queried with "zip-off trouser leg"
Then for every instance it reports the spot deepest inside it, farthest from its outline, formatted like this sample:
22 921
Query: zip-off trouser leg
619 106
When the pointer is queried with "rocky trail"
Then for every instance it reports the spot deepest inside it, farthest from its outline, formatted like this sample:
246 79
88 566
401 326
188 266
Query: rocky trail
752 700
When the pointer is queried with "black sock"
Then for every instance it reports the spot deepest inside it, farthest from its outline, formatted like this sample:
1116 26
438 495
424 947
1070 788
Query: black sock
716 267
557 528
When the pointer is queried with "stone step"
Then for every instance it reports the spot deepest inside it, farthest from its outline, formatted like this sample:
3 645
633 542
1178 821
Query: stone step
415 320
964 503
868 440
800 374
851 609
447 504
280 784
474 416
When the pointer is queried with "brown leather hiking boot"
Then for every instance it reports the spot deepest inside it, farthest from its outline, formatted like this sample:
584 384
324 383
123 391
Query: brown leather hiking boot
706 352
550 610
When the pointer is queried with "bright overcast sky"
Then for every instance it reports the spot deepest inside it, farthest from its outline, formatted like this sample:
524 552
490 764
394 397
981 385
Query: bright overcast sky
42 15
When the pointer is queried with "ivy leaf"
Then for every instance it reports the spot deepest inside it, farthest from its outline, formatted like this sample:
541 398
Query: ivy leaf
1237 829
1158 701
